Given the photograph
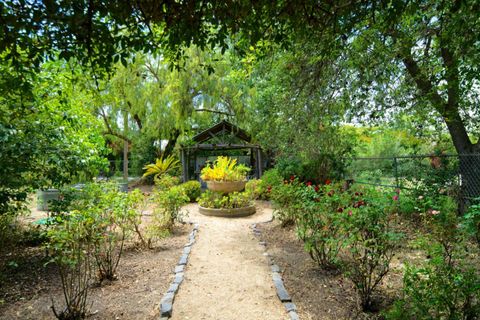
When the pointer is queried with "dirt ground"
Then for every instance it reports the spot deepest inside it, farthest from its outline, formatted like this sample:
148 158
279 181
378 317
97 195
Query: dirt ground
227 276
28 285
320 294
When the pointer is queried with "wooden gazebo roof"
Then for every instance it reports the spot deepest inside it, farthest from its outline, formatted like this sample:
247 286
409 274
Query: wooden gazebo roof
221 128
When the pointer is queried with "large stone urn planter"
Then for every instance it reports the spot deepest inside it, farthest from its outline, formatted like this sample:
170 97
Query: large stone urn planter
228 213
226 186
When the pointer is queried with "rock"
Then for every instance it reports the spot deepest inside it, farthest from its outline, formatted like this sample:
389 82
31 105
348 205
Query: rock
275 268
166 305
281 291
293 315
178 278
183 259
187 250
179 268
290 306
173 288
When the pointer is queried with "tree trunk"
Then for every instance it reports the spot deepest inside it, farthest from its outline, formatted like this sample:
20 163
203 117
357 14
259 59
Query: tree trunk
469 155
172 141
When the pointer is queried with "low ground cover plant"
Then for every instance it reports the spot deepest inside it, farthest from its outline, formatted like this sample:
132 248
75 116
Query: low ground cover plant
218 200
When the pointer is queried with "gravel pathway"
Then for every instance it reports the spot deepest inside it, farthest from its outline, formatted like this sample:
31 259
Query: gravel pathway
227 276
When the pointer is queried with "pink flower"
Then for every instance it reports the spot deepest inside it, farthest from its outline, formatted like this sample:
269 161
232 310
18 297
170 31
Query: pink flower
395 198
309 183
350 212
435 212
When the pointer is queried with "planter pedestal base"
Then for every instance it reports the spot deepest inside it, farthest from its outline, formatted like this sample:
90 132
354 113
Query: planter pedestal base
228 213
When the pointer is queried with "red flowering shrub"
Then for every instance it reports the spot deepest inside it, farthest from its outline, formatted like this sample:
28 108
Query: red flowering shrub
370 241
319 224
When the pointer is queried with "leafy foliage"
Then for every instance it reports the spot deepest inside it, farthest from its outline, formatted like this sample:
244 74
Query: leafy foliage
472 221
193 189
445 286
161 166
71 246
166 182
167 211
319 223
370 242
218 200
225 169
47 138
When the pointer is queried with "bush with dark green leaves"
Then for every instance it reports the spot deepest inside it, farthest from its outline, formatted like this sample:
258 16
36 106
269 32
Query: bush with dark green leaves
447 284
192 189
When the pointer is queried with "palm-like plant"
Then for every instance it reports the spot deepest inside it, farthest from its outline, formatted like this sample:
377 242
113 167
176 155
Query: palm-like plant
161 166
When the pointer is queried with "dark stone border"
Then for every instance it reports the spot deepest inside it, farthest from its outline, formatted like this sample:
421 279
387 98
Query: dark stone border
282 292
166 304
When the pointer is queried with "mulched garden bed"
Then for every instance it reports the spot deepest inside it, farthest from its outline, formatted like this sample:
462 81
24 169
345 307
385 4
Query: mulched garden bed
320 294
27 285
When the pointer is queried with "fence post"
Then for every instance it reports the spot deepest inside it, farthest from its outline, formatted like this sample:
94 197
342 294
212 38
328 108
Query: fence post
395 170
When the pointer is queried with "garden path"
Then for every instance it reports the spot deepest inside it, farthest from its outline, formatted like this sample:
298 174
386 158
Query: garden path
227 276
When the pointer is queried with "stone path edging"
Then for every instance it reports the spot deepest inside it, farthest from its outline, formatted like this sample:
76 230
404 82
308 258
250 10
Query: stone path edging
166 304
282 292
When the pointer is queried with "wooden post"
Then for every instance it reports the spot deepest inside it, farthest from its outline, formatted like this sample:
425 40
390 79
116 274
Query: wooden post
125 147
184 160
260 163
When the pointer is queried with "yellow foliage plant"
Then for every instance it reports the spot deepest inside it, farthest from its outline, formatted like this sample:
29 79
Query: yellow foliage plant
225 169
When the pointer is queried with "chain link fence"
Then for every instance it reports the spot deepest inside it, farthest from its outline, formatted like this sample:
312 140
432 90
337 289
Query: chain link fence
457 176
115 169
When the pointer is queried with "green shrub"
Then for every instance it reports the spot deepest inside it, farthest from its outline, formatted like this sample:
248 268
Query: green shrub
136 203
471 221
218 200
71 245
438 291
407 204
447 285
166 181
370 241
287 201
270 179
105 207
319 223
192 189
167 211
254 188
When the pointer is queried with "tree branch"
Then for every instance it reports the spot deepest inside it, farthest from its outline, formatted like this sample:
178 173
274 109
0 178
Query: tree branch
214 111
109 128
447 109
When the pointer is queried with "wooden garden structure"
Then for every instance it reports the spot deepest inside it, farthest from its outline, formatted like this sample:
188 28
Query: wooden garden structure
223 138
